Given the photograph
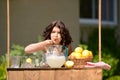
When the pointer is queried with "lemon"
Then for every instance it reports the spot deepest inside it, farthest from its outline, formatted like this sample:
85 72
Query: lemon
90 54
78 55
69 64
29 60
73 54
79 49
85 53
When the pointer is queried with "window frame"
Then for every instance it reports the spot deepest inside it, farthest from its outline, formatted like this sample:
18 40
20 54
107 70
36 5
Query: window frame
95 21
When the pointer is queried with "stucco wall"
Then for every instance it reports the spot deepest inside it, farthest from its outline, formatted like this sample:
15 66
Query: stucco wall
3 27
29 18
118 27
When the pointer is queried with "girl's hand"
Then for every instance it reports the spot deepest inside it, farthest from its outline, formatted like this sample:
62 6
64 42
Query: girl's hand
49 42
98 64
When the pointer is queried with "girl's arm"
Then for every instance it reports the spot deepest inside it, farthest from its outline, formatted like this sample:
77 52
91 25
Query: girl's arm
35 47
69 49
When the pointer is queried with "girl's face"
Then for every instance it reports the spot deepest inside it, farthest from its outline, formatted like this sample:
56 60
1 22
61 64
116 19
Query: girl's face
56 36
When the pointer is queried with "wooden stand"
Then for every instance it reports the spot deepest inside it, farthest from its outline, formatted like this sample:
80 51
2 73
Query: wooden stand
48 73
54 74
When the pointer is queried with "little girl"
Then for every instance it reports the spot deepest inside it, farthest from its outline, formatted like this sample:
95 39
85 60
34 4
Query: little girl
55 33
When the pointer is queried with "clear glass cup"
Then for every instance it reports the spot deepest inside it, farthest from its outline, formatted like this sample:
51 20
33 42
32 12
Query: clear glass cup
27 63
15 61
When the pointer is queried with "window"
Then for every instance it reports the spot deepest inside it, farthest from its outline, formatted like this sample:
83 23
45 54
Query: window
89 12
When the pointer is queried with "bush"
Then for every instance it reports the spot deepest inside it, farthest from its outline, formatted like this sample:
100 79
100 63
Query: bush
16 50
110 50
116 77
3 66
107 58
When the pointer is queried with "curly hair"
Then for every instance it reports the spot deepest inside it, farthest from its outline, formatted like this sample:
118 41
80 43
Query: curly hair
66 38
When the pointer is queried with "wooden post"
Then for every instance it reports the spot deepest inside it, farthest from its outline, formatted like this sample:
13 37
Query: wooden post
99 16
8 32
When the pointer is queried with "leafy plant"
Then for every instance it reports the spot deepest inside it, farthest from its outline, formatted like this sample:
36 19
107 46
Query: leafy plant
117 77
84 46
107 58
110 50
17 50
3 66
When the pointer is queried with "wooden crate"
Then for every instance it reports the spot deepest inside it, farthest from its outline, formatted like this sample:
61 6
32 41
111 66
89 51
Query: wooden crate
54 74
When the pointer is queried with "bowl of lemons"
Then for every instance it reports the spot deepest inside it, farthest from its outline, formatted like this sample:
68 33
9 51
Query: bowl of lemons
80 56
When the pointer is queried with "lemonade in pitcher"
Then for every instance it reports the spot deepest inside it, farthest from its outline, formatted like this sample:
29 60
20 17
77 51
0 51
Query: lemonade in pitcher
55 61
55 57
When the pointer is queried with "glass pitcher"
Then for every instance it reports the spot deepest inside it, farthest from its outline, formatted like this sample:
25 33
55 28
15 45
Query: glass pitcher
55 57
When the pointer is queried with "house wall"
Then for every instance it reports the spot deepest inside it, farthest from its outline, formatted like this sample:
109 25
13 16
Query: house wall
118 27
3 28
86 29
28 18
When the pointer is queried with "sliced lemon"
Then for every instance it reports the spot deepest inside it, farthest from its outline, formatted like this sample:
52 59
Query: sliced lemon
29 60
69 64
